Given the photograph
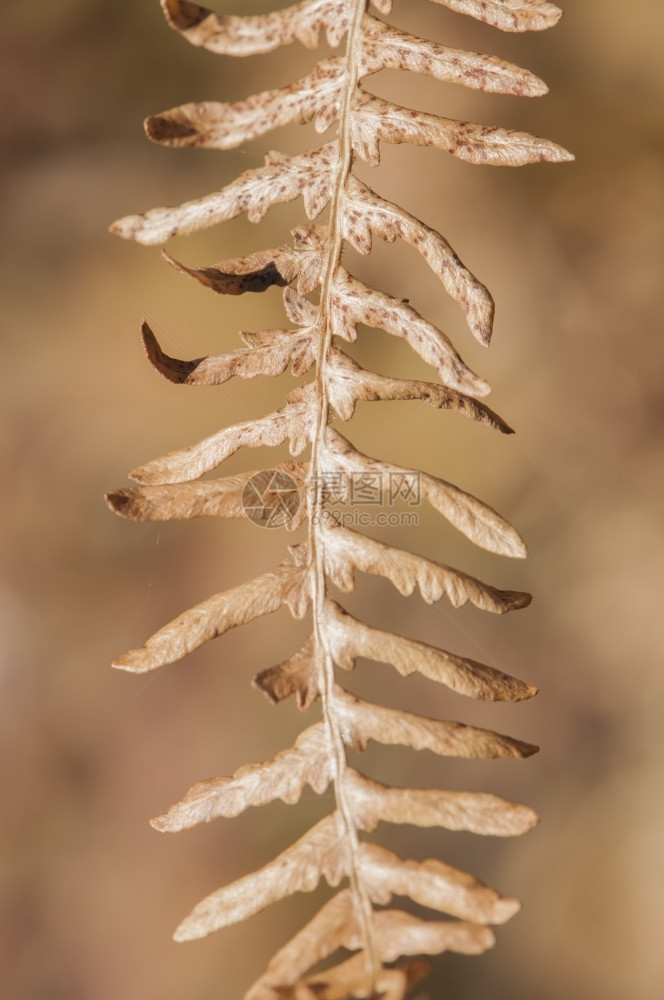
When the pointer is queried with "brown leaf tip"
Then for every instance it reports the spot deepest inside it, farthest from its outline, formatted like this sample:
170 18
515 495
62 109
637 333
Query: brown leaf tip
516 600
526 749
118 501
182 15
161 129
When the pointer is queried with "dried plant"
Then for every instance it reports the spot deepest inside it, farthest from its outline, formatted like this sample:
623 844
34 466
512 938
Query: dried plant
386 941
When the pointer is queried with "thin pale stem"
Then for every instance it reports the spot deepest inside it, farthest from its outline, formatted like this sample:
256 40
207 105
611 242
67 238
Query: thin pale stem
324 661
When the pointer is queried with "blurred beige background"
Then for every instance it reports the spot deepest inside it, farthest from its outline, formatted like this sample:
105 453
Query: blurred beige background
90 893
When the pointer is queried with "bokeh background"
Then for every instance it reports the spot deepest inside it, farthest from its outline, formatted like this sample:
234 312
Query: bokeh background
90 893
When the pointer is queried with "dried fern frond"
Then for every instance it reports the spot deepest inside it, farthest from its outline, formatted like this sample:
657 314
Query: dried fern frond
386 942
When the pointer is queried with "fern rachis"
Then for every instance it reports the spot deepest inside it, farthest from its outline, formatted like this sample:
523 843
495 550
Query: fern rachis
357 917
